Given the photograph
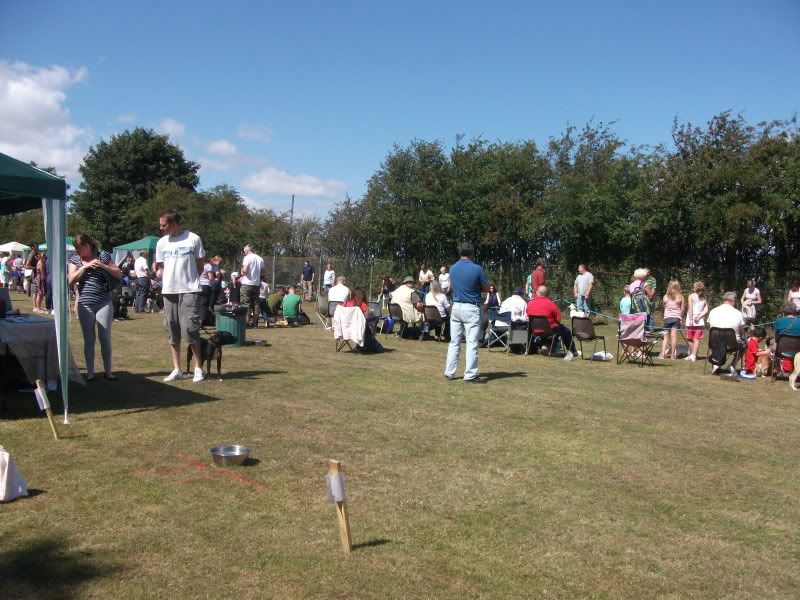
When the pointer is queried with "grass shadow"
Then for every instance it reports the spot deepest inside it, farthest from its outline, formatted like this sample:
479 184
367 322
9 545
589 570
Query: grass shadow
47 568
371 544
504 374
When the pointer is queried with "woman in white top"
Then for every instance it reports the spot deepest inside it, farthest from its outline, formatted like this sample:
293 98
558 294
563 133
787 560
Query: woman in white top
425 278
698 308
438 299
794 295
751 297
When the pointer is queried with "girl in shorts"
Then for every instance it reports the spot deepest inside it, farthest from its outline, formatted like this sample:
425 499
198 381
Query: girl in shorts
673 309
698 308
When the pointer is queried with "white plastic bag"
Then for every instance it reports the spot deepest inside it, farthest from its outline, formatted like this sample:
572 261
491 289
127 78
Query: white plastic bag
12 483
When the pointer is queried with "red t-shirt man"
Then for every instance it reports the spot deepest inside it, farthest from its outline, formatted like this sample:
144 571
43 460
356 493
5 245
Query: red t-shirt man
541 306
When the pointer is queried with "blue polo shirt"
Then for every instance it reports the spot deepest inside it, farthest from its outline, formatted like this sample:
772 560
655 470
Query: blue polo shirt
467 280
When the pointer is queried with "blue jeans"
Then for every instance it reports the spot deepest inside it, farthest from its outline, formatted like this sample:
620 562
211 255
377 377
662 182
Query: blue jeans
464 318
142 289
582 303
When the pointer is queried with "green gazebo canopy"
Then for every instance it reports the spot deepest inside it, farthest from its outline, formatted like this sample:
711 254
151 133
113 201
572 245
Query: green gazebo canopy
22 186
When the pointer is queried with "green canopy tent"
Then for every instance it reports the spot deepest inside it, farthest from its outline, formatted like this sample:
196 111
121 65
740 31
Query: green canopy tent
67 244
23 187
146 243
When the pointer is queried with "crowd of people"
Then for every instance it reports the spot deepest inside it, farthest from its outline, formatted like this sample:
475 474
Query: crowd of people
187 286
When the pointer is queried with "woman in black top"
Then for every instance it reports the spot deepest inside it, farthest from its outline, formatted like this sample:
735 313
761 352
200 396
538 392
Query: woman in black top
92 270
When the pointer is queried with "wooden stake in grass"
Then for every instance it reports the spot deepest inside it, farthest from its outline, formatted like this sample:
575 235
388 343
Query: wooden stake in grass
44 404
335 481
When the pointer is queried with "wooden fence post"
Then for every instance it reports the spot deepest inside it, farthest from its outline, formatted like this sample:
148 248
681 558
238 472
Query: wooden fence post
336 492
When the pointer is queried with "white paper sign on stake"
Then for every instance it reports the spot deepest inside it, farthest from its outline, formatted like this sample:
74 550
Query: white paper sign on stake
41 398
335 484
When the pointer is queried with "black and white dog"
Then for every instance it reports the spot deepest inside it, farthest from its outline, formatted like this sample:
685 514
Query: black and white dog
210 348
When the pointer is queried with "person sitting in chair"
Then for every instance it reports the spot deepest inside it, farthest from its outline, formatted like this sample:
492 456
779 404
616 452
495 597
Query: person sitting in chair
541 306
340 292
726 316
359 299
407 298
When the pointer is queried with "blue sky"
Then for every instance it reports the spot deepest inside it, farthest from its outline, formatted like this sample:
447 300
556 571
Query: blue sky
309 97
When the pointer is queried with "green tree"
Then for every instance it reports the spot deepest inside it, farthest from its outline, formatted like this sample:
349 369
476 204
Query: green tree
121 175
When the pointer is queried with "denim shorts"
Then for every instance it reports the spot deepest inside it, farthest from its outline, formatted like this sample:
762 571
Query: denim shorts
672 323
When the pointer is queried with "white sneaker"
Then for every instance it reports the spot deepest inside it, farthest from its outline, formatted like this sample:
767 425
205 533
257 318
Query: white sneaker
176 374
714 369
569 356
198 375
578 353
732 370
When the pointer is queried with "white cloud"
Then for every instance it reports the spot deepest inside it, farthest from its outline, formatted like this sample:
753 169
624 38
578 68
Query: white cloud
126 118
223 148
172 128
256 133
34 123
274 181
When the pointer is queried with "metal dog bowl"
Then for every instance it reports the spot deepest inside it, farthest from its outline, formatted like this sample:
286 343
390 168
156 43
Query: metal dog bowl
231 455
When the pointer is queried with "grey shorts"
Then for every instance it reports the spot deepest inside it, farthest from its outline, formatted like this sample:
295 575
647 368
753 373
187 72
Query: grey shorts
249 295
182 317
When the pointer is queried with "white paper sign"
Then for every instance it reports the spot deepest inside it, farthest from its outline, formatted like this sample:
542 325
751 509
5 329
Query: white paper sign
335 485
41 398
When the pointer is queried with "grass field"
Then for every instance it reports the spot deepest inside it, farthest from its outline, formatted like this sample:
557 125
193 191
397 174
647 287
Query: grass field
555 480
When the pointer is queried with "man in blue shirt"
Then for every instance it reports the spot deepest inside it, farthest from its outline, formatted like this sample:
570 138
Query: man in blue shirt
467 281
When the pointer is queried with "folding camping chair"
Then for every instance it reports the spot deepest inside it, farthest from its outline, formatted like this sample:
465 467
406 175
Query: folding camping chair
396 313
349 328
583 331
539 329
633 345
498 334
786 347
719 335
322 310
434 320
517 335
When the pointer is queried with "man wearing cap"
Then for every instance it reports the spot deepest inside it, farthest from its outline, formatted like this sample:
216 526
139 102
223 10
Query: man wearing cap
467 280
406 296
726 316
516 305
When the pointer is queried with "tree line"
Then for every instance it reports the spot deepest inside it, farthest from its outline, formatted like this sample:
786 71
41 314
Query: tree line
721 202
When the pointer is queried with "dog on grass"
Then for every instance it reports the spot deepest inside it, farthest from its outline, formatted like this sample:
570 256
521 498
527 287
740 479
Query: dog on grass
763 366
574 312
211 348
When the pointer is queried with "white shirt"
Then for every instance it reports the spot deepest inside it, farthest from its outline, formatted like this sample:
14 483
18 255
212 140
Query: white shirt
264 291
329 278
514 305
425 276
179 254
140 266
439 302
726 316
444 281
252 265
338 293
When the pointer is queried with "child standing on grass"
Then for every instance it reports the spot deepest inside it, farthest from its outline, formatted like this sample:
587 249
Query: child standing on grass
673 310
753 351
698 308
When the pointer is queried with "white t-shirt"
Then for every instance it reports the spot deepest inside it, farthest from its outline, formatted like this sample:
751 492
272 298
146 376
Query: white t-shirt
439 302
444 281
264 291
252 265
514 305
726 316
179 254
329 278
140 266
338 293
425 276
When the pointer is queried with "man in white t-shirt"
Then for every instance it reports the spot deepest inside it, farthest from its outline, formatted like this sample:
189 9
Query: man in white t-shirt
179 259
329 278
340 292
252 272
516 305
142 281
726 316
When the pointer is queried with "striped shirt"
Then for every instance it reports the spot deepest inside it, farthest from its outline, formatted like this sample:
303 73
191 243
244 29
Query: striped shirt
93 286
